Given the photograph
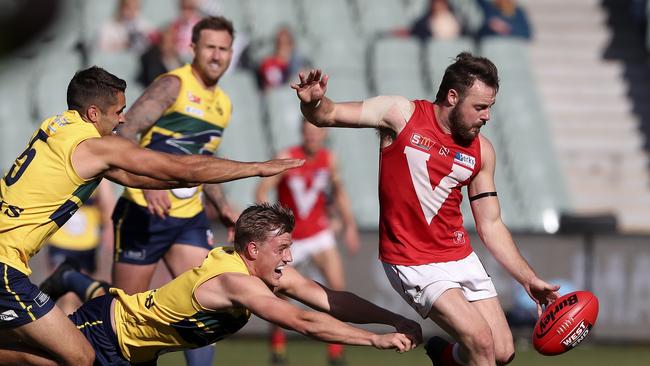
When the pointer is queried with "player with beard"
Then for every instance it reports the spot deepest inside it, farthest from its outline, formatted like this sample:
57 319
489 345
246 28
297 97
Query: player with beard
429 151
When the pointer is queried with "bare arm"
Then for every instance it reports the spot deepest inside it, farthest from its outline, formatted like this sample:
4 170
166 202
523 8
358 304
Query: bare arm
95 156
343 305
150 106
345 208
253 294
383 112
214 194
124 178
497 237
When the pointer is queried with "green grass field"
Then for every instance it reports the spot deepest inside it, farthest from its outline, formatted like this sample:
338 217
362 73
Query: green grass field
253 352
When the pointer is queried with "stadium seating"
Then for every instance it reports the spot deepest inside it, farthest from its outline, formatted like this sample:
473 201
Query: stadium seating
244 138
397 68
361 62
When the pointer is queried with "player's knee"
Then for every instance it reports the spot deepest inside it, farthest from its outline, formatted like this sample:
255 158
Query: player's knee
85 356
481 343
505 350
505 358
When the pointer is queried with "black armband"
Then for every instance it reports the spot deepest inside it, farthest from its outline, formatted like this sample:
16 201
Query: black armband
482 195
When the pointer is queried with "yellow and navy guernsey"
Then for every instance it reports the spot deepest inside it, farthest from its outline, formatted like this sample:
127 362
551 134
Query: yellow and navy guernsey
41 191
194 124
82 231
170 318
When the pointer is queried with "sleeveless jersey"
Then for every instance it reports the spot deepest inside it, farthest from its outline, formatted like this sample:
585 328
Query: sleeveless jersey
303 190
168 319
420 179
42 190
194 124
82 231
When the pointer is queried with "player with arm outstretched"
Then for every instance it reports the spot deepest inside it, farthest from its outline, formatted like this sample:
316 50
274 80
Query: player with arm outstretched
429 151
216 299
305 191
64 161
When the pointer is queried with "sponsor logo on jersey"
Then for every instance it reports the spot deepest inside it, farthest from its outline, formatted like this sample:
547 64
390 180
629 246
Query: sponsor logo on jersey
459 237
422 142
8 315
193 98
41 299
193 110
58 121
465 160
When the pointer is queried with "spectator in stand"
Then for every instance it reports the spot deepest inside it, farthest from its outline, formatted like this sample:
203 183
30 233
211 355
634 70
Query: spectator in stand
127 31
504 18
182 28
438 22
285 61
159 58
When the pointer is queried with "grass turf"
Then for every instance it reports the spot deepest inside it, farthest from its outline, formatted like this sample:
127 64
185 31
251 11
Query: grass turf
302 352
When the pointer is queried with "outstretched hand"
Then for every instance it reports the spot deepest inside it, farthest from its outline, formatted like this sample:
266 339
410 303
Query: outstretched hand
411 329
542 293
398 341
312 87
277 166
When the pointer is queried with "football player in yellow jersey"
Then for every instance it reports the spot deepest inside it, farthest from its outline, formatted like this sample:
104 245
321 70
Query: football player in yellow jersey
183 112
63 163
216 299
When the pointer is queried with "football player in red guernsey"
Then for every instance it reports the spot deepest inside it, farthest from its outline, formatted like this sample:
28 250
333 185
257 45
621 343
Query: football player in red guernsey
428 152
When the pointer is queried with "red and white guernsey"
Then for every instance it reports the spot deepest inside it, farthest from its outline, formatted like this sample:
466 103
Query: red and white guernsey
420 179
303 190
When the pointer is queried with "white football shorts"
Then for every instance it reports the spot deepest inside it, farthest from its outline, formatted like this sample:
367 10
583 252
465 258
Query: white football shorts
421 285
303 249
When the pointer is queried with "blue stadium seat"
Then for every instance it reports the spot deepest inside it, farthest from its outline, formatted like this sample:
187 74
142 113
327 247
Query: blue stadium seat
397 68
284 117
380 16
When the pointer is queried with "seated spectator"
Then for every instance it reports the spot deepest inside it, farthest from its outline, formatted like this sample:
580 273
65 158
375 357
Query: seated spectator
159 58
285 61
182 28
504 18
127 31
438 22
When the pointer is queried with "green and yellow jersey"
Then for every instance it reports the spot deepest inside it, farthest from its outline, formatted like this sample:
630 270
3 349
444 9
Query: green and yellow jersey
194 124
170 318
41 191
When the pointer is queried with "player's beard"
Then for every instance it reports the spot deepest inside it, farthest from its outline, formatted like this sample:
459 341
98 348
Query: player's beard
461 134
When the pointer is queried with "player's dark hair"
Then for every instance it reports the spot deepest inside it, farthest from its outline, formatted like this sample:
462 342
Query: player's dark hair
259 221
93 85
461 75
213 23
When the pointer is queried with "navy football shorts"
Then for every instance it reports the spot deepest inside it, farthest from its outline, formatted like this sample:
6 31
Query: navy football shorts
93 319
21 301
142 238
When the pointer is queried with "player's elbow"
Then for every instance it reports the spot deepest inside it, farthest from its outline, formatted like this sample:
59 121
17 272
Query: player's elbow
306 323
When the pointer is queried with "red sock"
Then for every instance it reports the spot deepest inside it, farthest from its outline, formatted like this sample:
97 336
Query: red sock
447 356
334 350
278 341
